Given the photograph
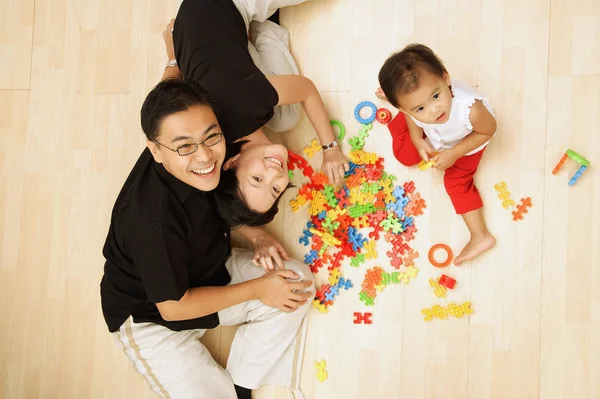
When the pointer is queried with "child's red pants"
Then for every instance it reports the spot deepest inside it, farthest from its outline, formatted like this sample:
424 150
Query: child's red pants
458 179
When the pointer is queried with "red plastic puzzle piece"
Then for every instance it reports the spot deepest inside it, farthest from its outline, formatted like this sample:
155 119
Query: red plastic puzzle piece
395 259
409 187
447 281
408 259
320 179
409 233
360 318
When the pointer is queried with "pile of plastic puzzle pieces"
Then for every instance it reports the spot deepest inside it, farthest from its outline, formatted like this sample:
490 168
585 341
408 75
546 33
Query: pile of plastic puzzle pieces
345 223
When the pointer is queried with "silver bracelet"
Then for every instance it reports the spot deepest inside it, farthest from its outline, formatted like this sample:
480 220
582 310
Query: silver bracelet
334 143
171 63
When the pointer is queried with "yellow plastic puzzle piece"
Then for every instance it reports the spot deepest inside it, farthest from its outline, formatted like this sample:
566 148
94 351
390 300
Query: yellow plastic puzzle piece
438 290
320 307
504 195
298 202
311 149
425 165
408 275
326 237
321 368
317 204
361 157
334 276
442 312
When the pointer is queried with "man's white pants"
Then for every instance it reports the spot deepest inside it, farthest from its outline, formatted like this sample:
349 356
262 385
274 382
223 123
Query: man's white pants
267 348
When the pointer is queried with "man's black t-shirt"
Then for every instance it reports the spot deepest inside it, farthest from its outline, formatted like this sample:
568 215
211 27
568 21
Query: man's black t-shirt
164 237
211 48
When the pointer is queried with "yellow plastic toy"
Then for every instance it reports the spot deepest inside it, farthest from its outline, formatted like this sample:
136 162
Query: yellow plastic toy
504 195
321 370
298 202
312 149
442 312
438 290
423 165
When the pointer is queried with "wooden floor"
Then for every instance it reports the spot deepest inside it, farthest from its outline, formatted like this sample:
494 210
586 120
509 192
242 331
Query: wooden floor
73 74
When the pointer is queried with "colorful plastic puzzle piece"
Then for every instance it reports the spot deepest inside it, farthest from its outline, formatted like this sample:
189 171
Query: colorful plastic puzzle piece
577 158
321 370
438 290
311 149
522 208
360 318
504 195
442 312
447 281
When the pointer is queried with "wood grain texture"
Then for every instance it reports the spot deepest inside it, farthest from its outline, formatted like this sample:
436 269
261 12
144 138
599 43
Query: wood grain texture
73 75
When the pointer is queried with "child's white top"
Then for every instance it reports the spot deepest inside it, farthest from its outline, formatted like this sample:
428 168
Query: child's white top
458 125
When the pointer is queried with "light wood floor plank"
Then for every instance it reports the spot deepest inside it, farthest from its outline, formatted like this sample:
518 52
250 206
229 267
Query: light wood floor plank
70 137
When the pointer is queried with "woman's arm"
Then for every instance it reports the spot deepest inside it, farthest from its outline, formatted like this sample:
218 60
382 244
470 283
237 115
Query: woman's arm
293 89
171 71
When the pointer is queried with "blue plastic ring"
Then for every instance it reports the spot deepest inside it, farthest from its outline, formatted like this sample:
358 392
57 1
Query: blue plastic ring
361 106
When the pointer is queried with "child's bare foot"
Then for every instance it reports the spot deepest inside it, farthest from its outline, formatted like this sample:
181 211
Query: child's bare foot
476 246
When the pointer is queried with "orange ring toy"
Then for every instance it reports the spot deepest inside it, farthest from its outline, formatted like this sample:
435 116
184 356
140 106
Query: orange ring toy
448 251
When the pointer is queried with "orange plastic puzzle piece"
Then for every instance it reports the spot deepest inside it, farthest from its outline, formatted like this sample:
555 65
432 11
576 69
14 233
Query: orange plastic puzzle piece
522 208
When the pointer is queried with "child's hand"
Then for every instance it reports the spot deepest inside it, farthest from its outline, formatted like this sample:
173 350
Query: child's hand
444 159
424 149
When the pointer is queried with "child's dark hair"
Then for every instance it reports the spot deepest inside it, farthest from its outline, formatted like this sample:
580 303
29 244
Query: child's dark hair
401 73
231 205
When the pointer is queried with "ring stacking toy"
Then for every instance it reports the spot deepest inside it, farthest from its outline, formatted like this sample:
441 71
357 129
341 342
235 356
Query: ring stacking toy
448 251
362 105
383 116
342 128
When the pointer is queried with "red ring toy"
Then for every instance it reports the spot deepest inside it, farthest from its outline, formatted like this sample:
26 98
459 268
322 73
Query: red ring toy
383 116
448 251
447 281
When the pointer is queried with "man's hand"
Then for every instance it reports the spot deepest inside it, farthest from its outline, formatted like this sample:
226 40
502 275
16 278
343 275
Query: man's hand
335 165
424 149
274 290
444 159
268 252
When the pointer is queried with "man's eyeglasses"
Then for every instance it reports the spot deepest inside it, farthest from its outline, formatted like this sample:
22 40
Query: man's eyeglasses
190 148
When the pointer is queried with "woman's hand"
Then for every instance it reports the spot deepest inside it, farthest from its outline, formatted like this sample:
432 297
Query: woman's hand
335 165
268 252
168 38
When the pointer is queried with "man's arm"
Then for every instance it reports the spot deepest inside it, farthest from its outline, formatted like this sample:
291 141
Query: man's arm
273 289
202 301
